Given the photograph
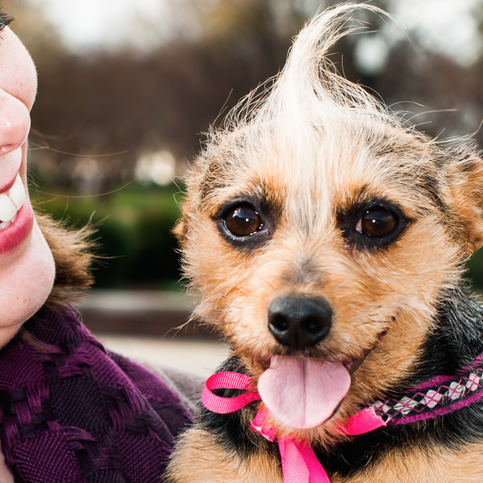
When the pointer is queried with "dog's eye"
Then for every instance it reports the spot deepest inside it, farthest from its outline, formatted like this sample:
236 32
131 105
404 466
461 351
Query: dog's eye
243 220
373 225
377 222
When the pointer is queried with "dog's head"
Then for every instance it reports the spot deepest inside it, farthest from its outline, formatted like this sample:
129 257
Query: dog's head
319 228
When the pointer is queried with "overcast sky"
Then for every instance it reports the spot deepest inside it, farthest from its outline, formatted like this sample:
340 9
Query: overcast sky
447 26
443 25
92 23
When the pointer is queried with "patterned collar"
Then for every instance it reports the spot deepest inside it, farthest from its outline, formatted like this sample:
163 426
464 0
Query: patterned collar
436 397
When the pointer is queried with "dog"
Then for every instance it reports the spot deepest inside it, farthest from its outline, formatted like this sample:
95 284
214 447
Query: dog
326 239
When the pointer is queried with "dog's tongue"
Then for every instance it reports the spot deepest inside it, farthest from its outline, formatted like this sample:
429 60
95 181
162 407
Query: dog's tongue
303 393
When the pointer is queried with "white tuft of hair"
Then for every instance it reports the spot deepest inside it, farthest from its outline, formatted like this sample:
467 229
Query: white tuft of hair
309 88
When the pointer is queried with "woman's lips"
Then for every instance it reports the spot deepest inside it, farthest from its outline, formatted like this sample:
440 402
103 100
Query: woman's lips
16 216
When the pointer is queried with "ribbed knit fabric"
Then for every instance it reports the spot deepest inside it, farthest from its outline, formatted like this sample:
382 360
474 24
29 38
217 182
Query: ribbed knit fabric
72 412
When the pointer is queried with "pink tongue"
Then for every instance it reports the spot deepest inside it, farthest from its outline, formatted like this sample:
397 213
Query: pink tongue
303 393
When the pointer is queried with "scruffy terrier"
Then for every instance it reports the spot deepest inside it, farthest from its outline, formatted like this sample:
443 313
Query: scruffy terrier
326 240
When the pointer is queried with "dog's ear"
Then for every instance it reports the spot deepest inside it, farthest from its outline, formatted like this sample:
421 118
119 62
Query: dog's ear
465 180
180 229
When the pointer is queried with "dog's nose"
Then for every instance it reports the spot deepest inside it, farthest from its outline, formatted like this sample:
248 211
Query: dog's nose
299 322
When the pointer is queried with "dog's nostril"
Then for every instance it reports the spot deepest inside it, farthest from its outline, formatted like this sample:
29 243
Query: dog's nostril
279 322
299 322
311 325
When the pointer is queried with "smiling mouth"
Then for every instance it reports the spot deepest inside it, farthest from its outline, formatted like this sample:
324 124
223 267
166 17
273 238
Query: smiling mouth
304 392
354 364
351 364
11 201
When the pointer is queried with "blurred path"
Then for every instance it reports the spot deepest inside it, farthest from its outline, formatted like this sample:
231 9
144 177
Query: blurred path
145 325
141 312
199 356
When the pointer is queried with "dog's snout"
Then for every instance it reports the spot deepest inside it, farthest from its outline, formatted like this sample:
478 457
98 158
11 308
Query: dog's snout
299 322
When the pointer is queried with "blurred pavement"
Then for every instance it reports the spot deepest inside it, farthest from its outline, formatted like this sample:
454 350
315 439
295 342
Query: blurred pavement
151 326
199 356
141 312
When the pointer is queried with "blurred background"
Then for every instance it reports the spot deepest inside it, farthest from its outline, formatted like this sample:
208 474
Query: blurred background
128 87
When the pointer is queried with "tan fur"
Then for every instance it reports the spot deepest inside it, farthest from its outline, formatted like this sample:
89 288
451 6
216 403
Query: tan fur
311 148
201 460
424 465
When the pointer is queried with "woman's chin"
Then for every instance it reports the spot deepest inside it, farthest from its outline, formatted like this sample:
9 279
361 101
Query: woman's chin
26 280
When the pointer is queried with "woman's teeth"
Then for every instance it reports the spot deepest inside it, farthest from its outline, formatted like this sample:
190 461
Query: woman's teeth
10 202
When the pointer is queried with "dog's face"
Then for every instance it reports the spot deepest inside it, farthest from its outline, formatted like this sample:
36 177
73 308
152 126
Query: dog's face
329 242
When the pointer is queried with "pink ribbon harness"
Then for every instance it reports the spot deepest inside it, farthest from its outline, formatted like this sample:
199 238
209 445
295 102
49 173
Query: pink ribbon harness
299 463
438 396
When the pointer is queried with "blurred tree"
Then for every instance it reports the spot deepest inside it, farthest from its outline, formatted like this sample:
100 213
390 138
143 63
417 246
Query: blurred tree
125 101
117 105
110 102
38 34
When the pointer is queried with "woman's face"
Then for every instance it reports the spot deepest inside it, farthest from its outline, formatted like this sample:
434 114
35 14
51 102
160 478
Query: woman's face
26 263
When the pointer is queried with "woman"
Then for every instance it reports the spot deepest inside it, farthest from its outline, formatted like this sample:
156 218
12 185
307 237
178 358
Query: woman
69 410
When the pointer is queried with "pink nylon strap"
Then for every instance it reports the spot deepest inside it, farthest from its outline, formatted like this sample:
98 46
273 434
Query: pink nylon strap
260 425
299 463
227 380
362 422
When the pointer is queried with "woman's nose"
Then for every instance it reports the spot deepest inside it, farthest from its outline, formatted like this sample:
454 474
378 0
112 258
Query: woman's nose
14 123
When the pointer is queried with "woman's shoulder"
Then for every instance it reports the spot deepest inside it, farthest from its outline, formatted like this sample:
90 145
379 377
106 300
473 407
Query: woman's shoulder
70 406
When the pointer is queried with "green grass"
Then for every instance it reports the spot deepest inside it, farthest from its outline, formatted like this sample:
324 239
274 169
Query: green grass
134 233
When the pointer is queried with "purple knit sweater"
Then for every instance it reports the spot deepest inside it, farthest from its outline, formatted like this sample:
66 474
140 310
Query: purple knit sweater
76 413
